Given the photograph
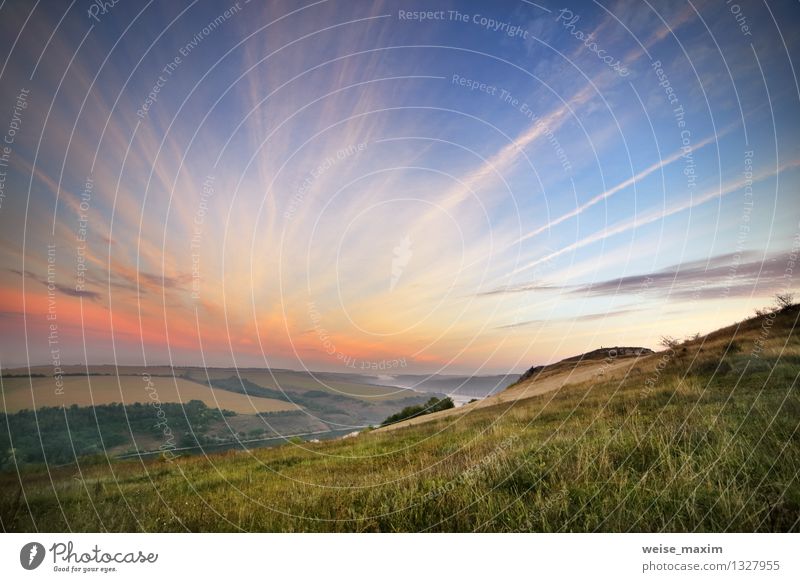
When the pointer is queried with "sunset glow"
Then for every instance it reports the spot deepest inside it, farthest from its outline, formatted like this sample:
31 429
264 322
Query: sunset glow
358 186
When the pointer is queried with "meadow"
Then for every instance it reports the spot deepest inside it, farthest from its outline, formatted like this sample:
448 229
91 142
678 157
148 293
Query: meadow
702 436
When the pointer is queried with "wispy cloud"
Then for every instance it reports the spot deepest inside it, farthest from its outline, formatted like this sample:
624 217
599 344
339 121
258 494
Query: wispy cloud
611 313
619 187
738 274
657 214
63 289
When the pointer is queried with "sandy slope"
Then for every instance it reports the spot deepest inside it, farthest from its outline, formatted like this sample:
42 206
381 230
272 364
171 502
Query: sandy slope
551 378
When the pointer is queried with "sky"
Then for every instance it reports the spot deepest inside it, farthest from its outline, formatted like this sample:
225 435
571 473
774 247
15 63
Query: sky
437 187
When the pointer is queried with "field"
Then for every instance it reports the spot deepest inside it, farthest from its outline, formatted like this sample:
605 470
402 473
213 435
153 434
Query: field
701 437
289 381
99 390
132 410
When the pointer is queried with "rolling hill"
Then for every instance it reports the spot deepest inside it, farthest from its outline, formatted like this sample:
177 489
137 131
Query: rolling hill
124 411
702 436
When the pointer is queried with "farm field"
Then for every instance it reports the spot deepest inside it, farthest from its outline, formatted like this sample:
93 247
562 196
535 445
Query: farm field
23 393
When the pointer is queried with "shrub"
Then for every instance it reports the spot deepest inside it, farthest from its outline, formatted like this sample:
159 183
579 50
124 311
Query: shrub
733 347
669 342
784 301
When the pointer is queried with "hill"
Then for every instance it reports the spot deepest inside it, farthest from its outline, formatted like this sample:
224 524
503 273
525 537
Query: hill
128 408
608 363
702 436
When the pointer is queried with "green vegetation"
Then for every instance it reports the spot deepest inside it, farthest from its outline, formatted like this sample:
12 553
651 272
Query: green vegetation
323 406
700 438
59 435
432 405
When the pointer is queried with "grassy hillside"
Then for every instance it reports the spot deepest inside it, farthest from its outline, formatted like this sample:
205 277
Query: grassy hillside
701 437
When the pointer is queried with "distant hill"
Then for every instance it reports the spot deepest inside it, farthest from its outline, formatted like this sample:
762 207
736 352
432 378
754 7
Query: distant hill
203 409
460 387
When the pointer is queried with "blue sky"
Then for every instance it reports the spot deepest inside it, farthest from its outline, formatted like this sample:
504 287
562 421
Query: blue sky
480 190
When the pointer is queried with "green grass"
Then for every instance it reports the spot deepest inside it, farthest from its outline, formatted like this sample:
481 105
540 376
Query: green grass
699 450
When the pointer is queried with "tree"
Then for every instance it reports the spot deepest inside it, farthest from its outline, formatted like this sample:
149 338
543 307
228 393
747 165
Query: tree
435 405
432 405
